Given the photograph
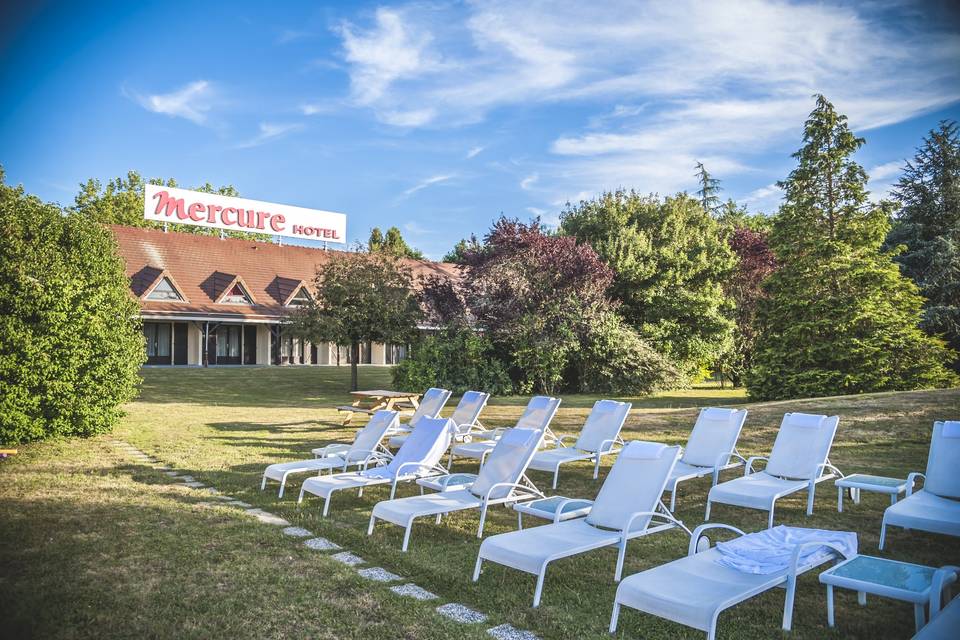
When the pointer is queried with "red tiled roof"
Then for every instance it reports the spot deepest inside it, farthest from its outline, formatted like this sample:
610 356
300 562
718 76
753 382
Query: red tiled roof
204 266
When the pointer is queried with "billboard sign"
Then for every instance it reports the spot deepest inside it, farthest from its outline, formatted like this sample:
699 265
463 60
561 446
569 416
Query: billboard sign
181 206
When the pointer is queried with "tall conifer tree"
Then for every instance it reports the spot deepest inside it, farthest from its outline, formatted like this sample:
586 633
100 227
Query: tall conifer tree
839 317
928 226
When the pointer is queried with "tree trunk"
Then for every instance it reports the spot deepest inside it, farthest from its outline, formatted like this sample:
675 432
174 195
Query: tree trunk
354 358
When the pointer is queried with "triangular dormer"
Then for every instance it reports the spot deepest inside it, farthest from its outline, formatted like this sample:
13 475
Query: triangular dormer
299 298
163 289
237 292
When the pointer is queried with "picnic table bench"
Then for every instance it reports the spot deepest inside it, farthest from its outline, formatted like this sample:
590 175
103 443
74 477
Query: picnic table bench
369 402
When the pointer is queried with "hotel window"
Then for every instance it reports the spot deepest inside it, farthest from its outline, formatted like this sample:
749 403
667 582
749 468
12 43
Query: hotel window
236 295
228 343
165 291
300 299
158 336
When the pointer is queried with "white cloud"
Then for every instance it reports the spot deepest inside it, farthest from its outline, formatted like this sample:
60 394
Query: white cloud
886 170
527 183
426 182
269 131
474 151
192 102
726 81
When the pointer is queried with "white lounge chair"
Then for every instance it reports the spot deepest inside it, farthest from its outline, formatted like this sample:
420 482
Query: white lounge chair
711 445
628 506
600 436
418 457
800 460
501 480
465 416
430 406
537 415
366 443
936 507
695 589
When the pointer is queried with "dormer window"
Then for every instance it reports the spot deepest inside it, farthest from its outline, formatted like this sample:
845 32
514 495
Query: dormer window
236 295
165 291
300 298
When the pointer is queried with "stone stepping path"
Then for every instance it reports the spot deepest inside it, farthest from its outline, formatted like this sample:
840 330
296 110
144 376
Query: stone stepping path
379 574
457 612
348 558
268 518
322 544
509 632
461 613
411 590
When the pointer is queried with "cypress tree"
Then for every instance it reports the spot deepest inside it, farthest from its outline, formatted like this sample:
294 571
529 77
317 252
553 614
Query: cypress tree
839 317
928 230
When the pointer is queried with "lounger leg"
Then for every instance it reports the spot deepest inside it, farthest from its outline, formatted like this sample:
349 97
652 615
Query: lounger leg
406 536
839 499
373 519
519 521
770 517
620 558
483 520
439 515
596 468
283 484
614 617
539 590
263 485
812 492
673 499
830 620
862 598
919 618
326 505
706 517
788 603
300 497
883 533
476 568
556 474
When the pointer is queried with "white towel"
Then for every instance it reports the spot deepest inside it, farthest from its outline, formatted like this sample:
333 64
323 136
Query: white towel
771 550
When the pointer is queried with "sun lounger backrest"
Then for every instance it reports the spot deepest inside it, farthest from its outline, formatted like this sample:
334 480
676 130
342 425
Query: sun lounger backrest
635 483
431 405
507 462
715 433
426 444
603 424
943 463
370 436
539 412
469 408
803 442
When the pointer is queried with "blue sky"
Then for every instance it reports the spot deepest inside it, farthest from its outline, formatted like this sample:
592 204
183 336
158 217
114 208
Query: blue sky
436 117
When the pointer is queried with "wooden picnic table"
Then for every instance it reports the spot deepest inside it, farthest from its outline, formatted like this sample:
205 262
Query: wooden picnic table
376 399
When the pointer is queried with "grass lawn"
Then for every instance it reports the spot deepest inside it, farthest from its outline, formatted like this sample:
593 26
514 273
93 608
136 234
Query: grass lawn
94 544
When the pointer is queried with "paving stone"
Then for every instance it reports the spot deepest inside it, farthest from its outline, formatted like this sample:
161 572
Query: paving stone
172 474
413 591
187 478
268 518
297 532
347 558
164 469
378 574
461 613
195 485
239 503
509 632
223 498
211 491
321 544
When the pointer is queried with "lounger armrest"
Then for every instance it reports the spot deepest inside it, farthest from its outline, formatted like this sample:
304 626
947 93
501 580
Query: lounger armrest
350 457
375 456
559 511
912 478
698 533
321 452
515 485
749 466
607 445
419 465
723 460
795 559
942 577
559 443
822 467
666 515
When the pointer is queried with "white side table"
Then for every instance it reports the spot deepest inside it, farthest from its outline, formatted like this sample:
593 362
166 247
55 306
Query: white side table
858 482
904 581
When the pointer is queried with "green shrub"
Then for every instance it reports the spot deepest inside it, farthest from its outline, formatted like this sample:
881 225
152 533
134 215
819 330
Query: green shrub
458 359
614 359
70 340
